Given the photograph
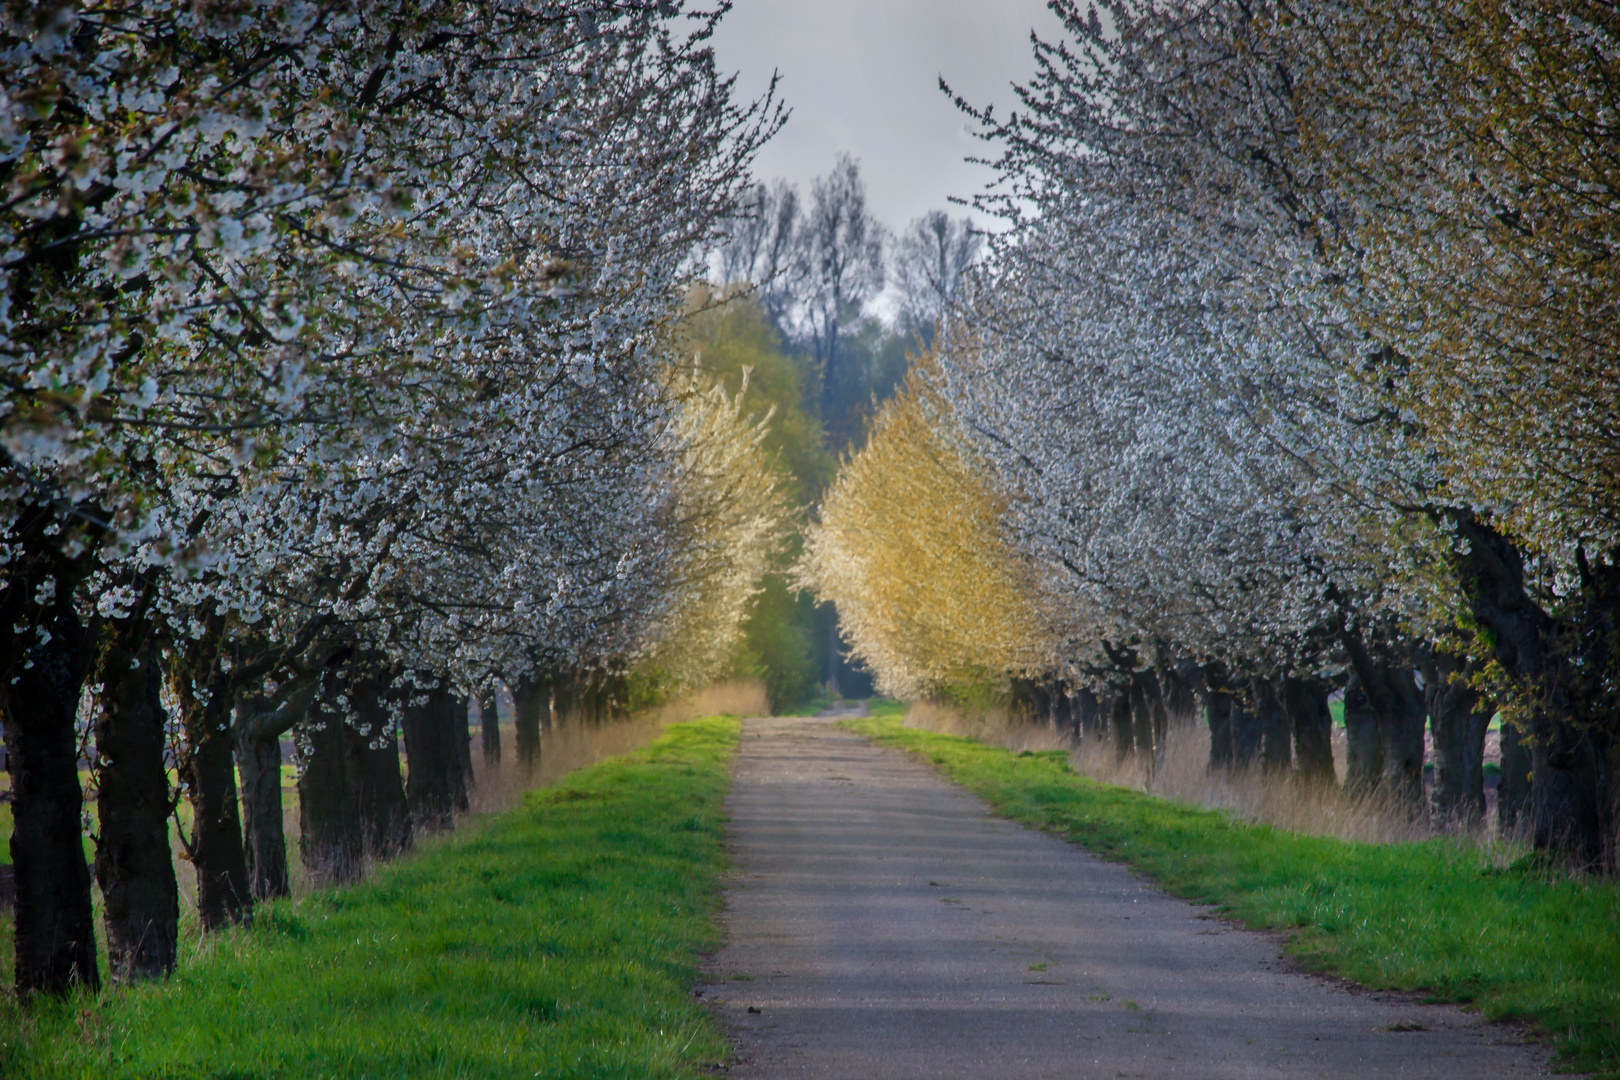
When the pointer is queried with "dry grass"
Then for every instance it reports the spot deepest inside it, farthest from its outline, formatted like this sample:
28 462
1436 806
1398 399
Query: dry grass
570 744
574 743
1182 776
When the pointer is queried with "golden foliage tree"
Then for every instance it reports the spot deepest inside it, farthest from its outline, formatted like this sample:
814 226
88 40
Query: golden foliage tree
732 517
910 547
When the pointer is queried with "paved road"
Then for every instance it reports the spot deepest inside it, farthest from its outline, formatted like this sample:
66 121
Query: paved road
886 927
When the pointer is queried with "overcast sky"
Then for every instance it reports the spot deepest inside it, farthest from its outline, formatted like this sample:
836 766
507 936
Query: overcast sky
862 76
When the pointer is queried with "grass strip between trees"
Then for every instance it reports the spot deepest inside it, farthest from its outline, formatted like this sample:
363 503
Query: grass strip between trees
1436 917
556 940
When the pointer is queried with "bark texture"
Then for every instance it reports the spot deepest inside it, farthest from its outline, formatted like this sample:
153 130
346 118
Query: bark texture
1218 715
489 727
531 700
1306 702
133 864
208 777
256 733
1247 734
1087 714
1458 719
1117 707
1388 681
1513 783
1561 666
1276 731
1143 698
435 786
1364 753
331 842
53 931
378 782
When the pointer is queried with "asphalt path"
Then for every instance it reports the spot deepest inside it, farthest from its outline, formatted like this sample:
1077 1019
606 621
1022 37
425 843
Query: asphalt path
882 925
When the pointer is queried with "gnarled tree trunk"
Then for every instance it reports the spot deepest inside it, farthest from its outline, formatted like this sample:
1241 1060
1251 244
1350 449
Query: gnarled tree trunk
531 700
134 865
53 928
434 786
331 841
208 777
489 726
256 733
1143 695
1276 732
1247 734
1364 753
1389 682
1562 669
1513 782
1117 709
1306 702
461 737
1087 714
1218 717
374 772
1458 718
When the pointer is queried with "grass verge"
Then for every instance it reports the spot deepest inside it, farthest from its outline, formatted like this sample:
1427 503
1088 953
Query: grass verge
556 940
1435 917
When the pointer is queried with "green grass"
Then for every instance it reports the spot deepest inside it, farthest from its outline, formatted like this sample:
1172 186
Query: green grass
1435 917
556 940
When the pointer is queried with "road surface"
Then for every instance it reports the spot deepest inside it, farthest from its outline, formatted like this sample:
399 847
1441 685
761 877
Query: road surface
882 925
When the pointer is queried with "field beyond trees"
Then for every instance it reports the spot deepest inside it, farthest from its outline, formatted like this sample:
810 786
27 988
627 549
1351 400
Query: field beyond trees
1521 942
558 939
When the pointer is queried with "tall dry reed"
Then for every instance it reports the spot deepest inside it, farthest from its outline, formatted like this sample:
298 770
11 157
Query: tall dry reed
1181 774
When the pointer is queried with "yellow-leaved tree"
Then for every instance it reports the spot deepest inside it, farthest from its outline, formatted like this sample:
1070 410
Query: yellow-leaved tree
910 547
733 517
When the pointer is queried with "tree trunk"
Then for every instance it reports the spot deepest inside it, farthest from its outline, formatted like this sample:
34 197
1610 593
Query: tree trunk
1117 707
1143 721
1399 711
208 775
1184 693
53 928
258 763
1364 753
432 784
331 841
1247 734
461 735
374 773
1458 718
1513 783
564 698
256 733
1568 794
1218 715
1027 701
1062 711
1087 714
832 652
530 700
1306 701
489 726
1276 732
1400 731
134 865
1562 671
